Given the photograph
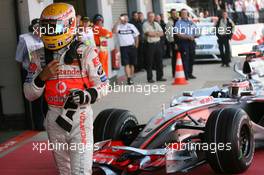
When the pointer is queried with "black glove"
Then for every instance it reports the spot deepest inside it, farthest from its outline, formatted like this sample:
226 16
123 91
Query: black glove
80 96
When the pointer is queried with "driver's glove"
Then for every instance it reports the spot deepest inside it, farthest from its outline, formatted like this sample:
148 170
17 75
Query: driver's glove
80 97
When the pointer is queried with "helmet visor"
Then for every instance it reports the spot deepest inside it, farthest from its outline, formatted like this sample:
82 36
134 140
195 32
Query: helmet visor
53 27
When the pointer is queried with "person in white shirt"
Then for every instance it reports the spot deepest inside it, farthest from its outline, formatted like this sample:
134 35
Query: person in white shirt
250 11
28 44
127 35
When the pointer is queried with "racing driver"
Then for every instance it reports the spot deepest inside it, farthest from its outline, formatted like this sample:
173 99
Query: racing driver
71 77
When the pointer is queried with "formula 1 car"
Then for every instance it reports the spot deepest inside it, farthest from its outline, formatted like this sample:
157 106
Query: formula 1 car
220 126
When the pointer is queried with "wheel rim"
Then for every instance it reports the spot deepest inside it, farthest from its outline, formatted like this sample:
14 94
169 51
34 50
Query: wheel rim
125 136
244 141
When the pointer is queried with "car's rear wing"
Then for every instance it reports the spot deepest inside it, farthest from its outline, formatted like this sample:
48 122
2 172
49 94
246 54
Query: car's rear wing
250 54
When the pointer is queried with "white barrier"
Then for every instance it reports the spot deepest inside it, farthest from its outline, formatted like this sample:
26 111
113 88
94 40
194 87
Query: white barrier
245 37
246 34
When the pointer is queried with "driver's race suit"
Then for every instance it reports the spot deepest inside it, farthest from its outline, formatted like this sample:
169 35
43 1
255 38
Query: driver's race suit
76 157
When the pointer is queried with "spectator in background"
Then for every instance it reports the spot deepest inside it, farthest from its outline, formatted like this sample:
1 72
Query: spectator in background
201 15
162 20
153 32
101 35
127 35
206 14
141 47
239 8
250 11
159 18
166 44
28 44
162 38
138 24
78 20
219 5
171 39
230 8
186 32
135 18
141 17
224 28
85 32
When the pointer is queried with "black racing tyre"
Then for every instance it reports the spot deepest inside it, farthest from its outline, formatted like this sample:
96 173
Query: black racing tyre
232 128
112 124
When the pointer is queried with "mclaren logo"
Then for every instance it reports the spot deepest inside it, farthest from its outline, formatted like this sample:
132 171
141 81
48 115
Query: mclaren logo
61 87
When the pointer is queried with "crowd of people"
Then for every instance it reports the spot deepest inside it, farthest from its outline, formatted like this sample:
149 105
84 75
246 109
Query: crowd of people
241 11
143 42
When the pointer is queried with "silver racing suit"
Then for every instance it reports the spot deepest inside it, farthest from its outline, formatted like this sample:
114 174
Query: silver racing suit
72 149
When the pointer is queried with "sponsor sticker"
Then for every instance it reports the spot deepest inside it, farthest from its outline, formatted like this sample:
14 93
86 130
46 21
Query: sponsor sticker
96 61
103 78
100 70
61 87
33 67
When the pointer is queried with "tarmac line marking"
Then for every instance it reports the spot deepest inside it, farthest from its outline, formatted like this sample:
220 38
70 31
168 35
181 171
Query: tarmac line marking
16 140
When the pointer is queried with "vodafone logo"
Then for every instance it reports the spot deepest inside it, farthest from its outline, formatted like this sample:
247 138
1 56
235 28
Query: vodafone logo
61 87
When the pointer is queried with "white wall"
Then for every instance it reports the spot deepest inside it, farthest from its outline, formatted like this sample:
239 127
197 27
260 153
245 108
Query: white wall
149 6
12 99
23 15
35 7
144 6
28 10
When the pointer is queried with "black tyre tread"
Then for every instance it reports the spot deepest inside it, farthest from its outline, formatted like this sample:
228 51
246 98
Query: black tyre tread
114 120
227 159
99 123
210 126
108 122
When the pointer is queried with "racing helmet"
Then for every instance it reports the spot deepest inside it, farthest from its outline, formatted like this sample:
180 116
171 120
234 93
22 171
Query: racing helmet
57 25
236 87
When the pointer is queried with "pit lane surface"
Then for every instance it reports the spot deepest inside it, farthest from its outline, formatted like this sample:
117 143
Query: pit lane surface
144 106
25 161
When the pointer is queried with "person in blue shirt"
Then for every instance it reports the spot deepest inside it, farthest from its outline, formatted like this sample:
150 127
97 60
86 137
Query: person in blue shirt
186 32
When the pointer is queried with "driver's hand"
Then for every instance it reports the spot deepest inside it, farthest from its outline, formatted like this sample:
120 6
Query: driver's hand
50 70
80 97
